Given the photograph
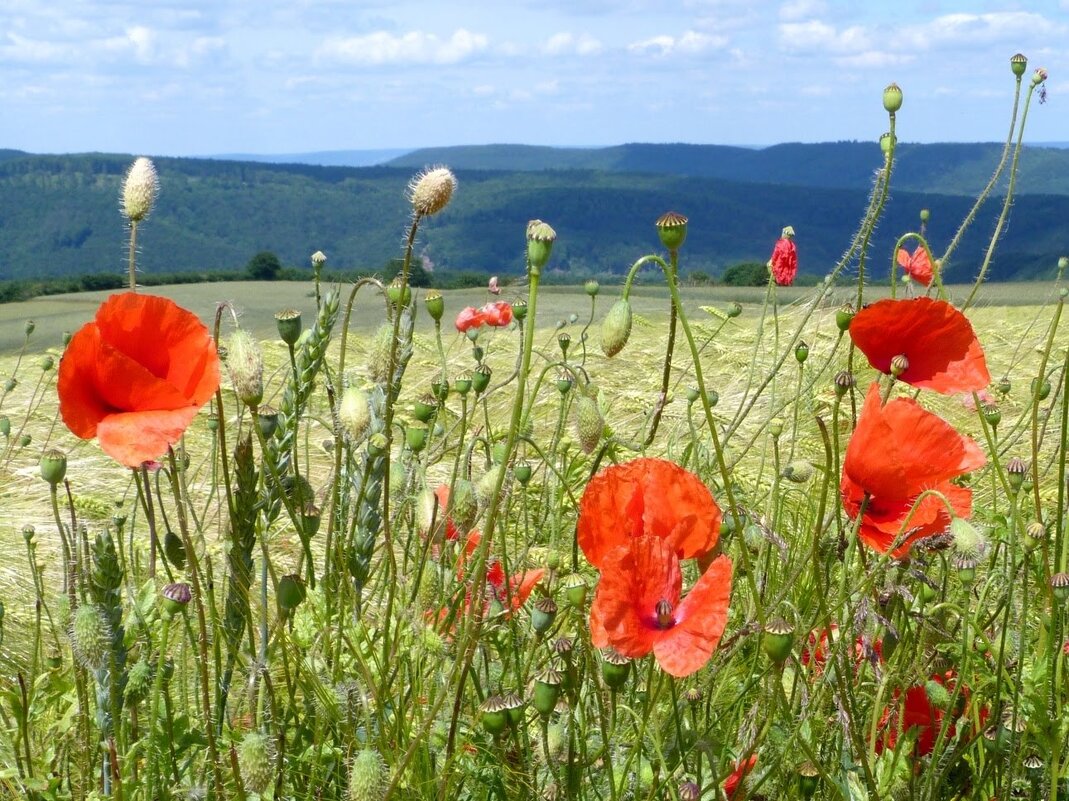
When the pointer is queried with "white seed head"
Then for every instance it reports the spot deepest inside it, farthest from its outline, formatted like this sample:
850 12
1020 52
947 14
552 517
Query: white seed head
139 190
431 190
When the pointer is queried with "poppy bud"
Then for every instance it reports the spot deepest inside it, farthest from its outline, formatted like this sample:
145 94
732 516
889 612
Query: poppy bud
967 538
139 189
175 597
291 592
1018 64
615 668
354 413
616 327
775 427
289 325
547 691
377 444
589 424
1059 585
801 352
66 338
692 396
431 190
540 238
5 425
672 229
543 614
925 216
53 466
519 309
368 777
256 760
778 640
435 304
938 695
591 287
480 379
693 695
245 363
1063 263
892 98
798 471
174 549
29 327
379 353
494 715
90 635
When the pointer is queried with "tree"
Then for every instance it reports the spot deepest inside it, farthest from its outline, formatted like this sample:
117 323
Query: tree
264 266
748 273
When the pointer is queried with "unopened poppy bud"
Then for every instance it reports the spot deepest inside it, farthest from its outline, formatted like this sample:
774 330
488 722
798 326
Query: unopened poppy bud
1059 584
925 216
672 229
801 352
547 691
591 287
46 363
53 466
892 98
399 293
778 640
692 395
615 668
480 379
379 353
431 190
256 759
967 538
245 363
798 472
435 304
899 365
843 316
589 424
139 189
616 327
1016 470
289 325
540 239
291 592
733 310
1040 389
543 614
519 309
175 597
1018 64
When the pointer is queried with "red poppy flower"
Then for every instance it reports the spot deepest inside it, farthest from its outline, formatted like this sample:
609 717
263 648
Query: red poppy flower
732 782
917 265
136 375
819 644
647 497
784 261
497 314
917 712
937 341
637 608
898 451
442 494
519 586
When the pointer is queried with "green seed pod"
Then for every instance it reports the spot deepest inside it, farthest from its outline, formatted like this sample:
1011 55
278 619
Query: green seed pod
480 379
367 777
494 715
29 327
1059 585
591 287
25 440
256 761
575 590
463 385
564 340
1018 64
1040 389
10 384
435 304
616 328
46 363
892 98
992 415
5 425
778 640
734 310
424 409
887 141
692 396
28 532
540 239
843 316
519 309
53 466
440 390
801 352
564 383
514 706
175 550
543 613
547 691
615 668
175 597
1004 385
267 417
522 472
672 229
289 325
416 436
808 780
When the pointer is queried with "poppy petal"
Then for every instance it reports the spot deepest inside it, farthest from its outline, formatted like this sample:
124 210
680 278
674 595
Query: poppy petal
80 404
700 622
131 438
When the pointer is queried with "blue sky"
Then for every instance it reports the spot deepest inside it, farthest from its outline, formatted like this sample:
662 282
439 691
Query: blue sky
174 77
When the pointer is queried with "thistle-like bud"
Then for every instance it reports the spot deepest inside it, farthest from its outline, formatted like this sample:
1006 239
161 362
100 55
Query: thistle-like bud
354 413
90 635
892 98
589 424
672 229
435 304
256 755
53 466
245 362
379 353
431 190
289 326
139 190
967 538
540 239
367 777
1018 64
616 327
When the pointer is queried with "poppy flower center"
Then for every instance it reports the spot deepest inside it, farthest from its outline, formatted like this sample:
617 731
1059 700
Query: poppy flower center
665 618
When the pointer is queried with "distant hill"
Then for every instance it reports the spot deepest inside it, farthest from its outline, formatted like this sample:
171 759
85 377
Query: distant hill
944 168
59 216
322 158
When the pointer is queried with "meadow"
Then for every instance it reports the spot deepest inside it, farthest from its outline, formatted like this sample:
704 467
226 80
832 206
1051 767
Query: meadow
642 542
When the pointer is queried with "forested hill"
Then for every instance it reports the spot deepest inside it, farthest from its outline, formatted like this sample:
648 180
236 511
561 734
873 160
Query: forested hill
59 216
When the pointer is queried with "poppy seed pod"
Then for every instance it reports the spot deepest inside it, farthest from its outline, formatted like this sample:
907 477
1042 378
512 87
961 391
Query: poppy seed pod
1018 64
672 229
615 668
176 597
494 715
139 189
540 239
547 691
591 287
291 592
778 640
431 190
519 309
480 379
892 98
435 304
289 325
53 466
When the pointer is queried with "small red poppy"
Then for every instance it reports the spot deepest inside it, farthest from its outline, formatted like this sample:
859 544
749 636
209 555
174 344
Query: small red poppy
637 608
917 714
784 261
651 497
938 342
898 451
732 783
917 265
136 375
497 314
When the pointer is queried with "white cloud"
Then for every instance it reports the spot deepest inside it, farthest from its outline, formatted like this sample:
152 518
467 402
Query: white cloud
689 43
973 30
563 43
414 47
815 35
794 10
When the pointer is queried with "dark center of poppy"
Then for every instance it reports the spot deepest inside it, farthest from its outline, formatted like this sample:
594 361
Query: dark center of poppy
665 619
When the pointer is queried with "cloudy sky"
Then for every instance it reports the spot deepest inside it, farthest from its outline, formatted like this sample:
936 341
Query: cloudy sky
188 77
